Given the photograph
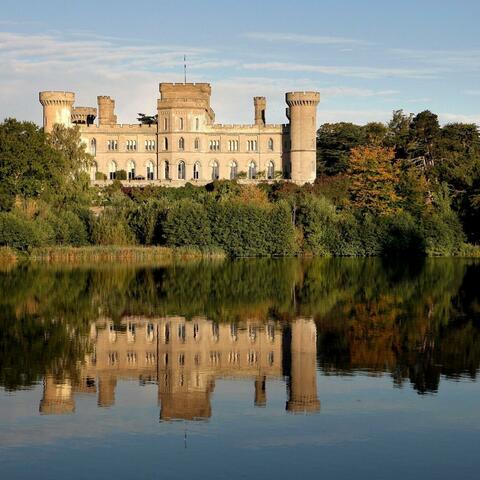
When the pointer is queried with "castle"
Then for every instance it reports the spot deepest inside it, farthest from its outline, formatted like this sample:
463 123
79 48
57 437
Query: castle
184 144
184 358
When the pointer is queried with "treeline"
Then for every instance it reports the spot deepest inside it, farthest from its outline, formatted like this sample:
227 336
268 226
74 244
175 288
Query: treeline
410 186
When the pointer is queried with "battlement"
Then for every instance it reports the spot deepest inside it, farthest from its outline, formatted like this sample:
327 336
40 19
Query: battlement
253 127
56 97
302 98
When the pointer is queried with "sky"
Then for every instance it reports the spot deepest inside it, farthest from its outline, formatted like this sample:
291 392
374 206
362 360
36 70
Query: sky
366 57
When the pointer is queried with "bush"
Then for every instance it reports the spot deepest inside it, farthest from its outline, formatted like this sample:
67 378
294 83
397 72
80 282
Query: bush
146 221
186 224
110 228
100 176
68 229
18 231
121 175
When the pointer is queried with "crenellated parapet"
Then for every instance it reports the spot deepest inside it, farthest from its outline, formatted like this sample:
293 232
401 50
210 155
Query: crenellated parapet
57 108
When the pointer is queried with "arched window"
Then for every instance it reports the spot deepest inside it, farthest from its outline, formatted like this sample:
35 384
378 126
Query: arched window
180 123
196 171
215 170
197 144
270 170
93 171
93 146
181 144
270 143
131 170
167 170
112 170
252 170
150 170
233 170
165 143
197 124
181 170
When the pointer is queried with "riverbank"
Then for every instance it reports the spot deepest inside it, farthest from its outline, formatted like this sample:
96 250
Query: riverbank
104 254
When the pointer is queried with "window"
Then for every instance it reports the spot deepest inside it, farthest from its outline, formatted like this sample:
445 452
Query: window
234 331
181 144
131 170
197 124
150 332
150 170
167 170
270 144
233 145
131 145
93 146
270 170
165 123
112 145
150 145
196 144
180 123
196 171
214 145
196 331
233 170
215 172
181 170
252 145
112 170
252 170
215 331
94 170
182 332
165 143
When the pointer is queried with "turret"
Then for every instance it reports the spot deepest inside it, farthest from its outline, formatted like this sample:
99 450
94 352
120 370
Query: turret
260 104
303 375
106 111
57 109
302 113
57 397
84 115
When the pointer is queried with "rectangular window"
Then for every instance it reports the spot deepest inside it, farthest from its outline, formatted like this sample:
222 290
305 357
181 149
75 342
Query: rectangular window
150 145
214 145
131 145
112 145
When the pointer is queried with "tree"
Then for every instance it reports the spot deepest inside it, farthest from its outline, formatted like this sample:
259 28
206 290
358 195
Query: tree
147 119
374 175
398 133
334 143
424 131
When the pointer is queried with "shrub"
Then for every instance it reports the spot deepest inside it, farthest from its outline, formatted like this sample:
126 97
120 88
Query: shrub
20 232
121 175
68 229
100 176
186 224
110 228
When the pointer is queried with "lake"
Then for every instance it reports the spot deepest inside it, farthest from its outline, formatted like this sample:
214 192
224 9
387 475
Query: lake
256 368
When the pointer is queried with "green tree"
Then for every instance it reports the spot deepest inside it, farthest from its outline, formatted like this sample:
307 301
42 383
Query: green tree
374 176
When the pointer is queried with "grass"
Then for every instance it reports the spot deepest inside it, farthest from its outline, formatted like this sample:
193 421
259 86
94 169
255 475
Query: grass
105 254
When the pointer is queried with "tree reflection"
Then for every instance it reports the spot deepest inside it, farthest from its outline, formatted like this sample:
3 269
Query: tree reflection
415 321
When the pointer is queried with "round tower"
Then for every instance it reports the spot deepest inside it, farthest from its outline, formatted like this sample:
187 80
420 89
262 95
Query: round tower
302 113
57 109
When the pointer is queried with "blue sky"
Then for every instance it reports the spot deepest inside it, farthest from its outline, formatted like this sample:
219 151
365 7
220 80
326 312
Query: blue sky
366 57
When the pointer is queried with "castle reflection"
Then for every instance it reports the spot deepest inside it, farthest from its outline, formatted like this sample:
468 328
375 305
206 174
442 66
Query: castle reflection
185 358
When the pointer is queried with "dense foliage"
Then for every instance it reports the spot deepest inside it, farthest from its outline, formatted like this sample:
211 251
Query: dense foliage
411 186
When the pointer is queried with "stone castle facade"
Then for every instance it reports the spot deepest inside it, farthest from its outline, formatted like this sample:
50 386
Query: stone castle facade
185 358
185 144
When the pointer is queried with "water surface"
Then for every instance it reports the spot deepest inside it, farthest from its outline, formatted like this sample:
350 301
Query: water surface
241 369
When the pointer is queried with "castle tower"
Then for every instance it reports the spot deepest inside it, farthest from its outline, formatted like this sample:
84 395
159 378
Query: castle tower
303 375
302 113
260 391
57 397
260 104
106 390
57 109
106 110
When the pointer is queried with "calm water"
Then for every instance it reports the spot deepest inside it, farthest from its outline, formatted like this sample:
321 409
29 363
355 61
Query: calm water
246 369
